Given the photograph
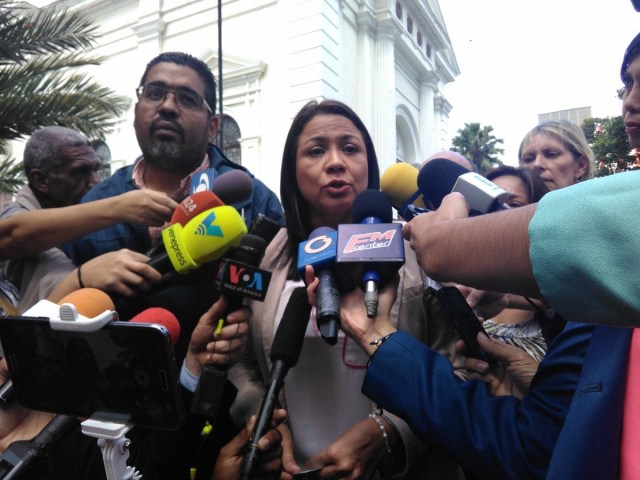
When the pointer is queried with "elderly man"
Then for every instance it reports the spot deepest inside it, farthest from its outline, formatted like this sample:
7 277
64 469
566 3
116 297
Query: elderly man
61 167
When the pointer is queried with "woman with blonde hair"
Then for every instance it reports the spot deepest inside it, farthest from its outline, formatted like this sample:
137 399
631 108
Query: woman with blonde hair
558 150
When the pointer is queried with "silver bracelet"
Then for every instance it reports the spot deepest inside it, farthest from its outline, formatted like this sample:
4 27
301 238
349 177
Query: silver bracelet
385 437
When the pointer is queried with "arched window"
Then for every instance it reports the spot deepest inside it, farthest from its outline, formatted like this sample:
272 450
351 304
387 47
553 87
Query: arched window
231 139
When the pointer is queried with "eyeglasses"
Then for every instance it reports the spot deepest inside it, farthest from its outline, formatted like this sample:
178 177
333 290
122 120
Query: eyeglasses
184 98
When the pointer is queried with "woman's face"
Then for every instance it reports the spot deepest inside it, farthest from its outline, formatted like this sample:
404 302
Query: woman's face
553 161
631 103
516 189
331 168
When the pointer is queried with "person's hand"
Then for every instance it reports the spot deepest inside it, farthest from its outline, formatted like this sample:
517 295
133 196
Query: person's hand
418 231
229 463
124 272
512 372
486 304
355 454
145 206
207 346
289 465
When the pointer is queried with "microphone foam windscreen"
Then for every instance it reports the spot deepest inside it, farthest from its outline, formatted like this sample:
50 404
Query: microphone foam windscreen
437 178
320 231
232 187
371 203
400 182
161 316
287 342
89 302
193 205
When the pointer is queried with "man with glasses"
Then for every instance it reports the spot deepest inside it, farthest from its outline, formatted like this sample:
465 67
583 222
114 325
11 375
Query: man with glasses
174 122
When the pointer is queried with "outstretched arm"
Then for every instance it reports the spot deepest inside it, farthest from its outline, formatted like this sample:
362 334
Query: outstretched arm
490 252
28 233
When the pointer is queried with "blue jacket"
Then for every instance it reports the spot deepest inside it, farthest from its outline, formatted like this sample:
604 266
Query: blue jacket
135 236
589 443
493 437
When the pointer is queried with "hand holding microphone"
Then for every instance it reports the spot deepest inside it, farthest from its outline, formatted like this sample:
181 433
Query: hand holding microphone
285 352
239 277
319 251
375 243
440 177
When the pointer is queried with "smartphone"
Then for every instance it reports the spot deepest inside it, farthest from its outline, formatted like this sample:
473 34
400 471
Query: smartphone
465 321
123 372
308 474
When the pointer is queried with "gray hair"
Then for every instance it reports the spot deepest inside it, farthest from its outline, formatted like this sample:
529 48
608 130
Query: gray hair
43 148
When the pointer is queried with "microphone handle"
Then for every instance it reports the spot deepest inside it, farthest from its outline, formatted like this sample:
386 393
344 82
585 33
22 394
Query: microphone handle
161 263
212 384
279 371
328 306
30 459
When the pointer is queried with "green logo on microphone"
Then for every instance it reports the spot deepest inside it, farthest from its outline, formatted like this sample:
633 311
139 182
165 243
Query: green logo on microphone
207 228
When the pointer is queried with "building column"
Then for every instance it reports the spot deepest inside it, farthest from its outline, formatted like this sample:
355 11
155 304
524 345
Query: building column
384 97
428 126
150 28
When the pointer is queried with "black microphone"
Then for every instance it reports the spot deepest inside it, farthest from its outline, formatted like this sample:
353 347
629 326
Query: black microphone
320 252
285 351
27 459
238 277
374 242
7 394
440 176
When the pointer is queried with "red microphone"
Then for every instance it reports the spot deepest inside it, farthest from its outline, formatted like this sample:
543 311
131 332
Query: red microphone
161 316
195 204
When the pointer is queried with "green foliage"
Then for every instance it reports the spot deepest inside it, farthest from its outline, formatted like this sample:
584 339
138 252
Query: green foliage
610 145
479 145
41 52
11 175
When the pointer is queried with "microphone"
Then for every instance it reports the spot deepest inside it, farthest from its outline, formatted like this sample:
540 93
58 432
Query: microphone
400 183
161 316
191 206
439 177
204 238
238 277
375 242
32 458
320 251
194 205
285 351
232 186
89 303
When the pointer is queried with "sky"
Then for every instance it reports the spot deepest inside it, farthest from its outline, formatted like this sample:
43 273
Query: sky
518 59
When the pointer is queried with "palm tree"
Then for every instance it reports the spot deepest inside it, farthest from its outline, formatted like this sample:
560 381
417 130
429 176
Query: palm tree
479 145
41 51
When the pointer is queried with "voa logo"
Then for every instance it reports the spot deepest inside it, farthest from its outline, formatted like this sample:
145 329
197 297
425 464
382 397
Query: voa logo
245 277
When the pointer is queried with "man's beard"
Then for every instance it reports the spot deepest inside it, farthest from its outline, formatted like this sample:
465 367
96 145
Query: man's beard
172 157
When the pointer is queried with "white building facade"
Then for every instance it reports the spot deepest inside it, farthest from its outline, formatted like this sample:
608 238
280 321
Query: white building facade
388 59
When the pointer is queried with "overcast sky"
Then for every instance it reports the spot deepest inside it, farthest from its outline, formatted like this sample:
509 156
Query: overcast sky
518 59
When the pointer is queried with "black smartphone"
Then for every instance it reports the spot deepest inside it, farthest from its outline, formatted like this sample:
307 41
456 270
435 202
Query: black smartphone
123 371
465 321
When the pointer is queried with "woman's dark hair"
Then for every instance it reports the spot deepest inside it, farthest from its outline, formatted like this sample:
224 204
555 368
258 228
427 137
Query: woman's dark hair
296 209
633 50
534 185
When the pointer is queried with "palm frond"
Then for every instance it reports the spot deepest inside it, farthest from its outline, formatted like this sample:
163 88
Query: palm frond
49 30
11 175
